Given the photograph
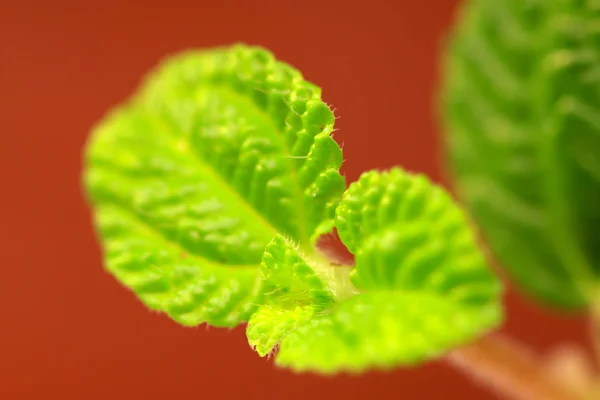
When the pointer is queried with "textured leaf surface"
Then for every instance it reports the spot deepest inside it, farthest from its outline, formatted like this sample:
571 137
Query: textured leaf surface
294 291
383 330
407 234
423 285
217 153
523 131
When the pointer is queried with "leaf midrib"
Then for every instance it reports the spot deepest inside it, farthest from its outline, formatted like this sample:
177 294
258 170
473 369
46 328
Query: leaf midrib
143 226
224 185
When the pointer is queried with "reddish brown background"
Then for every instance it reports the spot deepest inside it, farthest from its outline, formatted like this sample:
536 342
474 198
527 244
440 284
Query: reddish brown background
67 330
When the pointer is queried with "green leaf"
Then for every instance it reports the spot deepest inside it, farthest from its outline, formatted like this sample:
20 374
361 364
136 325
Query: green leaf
383 330
521 95
295 292
217 153
421 285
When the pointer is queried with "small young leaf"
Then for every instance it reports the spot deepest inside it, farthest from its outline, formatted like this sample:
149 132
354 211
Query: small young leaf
293 280
520 103
294 292
190 180
423 284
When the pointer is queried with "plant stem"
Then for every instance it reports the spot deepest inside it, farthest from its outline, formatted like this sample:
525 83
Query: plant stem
509 370
594 318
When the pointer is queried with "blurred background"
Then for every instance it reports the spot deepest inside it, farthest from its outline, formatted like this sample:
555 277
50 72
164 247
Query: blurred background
67 329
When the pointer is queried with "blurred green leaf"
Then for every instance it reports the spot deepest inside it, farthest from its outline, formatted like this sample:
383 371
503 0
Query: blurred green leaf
521 109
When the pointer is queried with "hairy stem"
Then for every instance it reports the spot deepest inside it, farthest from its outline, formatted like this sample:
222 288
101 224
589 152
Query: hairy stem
510 370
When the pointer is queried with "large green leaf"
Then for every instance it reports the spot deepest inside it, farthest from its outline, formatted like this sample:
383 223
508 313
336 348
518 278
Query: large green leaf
420 285
522 116
189 181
